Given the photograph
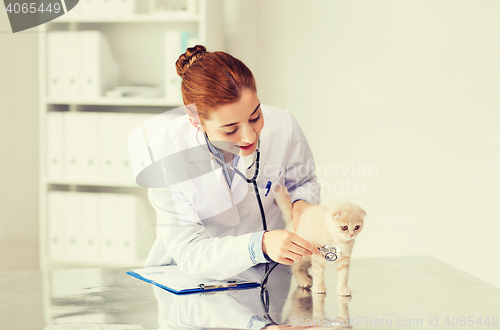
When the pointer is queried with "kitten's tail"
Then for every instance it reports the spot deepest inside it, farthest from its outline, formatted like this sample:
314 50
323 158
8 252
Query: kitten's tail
282 198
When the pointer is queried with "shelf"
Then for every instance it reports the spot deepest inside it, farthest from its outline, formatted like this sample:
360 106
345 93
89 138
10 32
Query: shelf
123 101
137 18
139 52
91 183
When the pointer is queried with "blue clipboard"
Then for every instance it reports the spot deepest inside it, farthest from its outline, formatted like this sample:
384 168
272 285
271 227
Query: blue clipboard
209 286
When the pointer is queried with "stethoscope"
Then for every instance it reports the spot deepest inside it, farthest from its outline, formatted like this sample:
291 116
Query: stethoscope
253 180
330 252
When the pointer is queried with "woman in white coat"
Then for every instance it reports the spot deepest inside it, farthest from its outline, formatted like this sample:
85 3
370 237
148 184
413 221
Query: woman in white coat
208 218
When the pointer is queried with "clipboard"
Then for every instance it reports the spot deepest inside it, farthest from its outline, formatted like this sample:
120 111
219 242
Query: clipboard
170 278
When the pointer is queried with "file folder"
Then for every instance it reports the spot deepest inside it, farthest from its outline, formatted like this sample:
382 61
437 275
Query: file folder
56 224
89 145
73 226
170 278
55 145
108 154
56 57
73 146
100 71
108 226
91 222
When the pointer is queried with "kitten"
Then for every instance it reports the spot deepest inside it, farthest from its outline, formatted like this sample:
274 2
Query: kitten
338 225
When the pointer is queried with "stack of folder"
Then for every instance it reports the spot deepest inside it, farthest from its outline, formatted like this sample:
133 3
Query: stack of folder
85 146
98 226
80 65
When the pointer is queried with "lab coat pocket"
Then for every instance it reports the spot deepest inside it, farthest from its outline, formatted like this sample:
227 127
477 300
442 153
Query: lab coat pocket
267 185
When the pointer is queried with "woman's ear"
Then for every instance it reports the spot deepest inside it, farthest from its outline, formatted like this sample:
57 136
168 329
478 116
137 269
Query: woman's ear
193 116
195 121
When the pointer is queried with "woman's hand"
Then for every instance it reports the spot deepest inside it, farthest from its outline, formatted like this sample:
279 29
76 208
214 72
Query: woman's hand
286 247
297 209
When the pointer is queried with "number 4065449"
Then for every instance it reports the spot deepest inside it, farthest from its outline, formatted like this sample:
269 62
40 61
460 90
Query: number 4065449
471 321
32 8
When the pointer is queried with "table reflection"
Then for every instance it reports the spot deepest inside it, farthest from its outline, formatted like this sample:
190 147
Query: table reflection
409 292
307 309
285 305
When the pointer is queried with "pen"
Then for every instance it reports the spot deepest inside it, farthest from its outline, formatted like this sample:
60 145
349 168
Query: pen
217 286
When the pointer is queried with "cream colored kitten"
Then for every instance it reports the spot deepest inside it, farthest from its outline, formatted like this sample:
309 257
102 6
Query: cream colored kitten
338 225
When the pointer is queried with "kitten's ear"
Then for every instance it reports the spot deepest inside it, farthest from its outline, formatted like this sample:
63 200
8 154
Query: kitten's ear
362 212
333 213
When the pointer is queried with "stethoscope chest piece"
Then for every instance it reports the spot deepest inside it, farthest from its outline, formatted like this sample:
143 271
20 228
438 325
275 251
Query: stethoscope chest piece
330 252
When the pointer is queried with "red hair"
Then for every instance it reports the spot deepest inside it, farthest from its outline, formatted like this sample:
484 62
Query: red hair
212 79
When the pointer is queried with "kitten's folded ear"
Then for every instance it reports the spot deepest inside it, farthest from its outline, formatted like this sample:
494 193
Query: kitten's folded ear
333 213
361 212
336 215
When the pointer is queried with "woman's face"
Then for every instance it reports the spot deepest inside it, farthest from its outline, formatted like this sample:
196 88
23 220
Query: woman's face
236 127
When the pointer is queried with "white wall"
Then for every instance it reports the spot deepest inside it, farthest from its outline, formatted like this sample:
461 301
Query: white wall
18 148
408 89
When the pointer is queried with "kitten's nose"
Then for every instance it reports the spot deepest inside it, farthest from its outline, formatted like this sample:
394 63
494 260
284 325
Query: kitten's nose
351 235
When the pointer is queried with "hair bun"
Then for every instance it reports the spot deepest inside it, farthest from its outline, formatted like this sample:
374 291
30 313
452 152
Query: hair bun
186 60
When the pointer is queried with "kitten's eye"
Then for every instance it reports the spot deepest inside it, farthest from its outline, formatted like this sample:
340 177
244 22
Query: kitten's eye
356 228
344 228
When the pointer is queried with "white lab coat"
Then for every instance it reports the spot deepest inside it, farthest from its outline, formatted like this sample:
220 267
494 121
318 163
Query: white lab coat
204 226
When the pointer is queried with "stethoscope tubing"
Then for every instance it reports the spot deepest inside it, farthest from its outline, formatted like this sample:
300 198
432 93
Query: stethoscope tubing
253 180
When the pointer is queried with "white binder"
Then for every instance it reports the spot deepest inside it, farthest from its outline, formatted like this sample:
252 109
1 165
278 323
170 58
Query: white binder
88 8
80 65
91 230
73 224
90 145
108 159
108 218
55 137
136 121
55 64
99 69
127 207
105 8
123 8
55 224
71 65
125 125
73 146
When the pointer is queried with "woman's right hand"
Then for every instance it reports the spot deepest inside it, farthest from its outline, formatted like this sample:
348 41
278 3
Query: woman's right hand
286 247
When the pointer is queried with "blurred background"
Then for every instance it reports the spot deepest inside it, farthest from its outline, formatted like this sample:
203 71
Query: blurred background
398 99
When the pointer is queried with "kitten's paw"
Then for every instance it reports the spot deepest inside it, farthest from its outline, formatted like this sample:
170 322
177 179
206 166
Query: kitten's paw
344 299
302 293
318 289
304 281
344 291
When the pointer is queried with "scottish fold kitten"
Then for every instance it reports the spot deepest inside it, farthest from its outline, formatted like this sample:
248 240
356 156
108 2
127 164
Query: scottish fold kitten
338 225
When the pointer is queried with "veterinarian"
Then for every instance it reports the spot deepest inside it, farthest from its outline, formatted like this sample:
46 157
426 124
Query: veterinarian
208 218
